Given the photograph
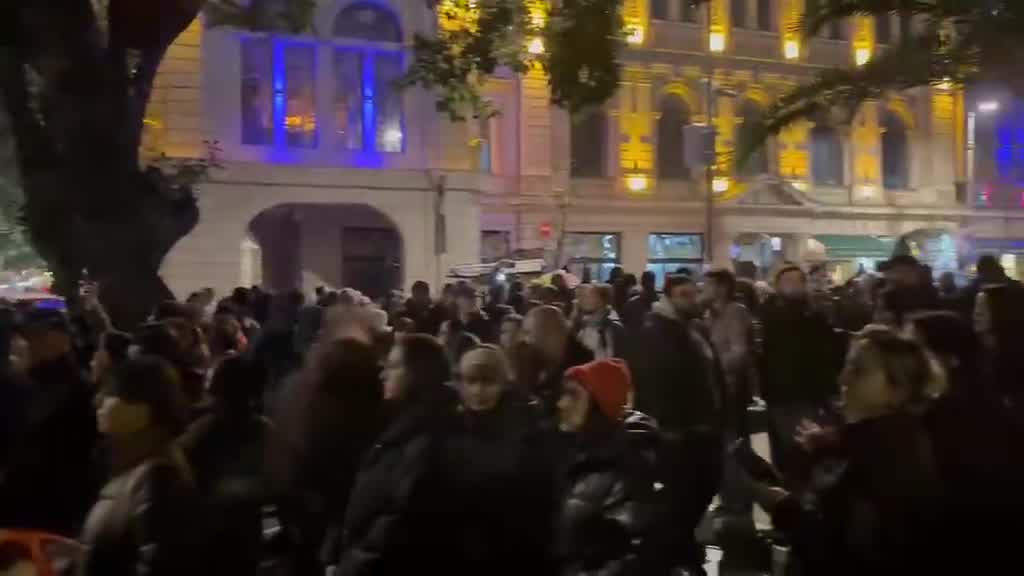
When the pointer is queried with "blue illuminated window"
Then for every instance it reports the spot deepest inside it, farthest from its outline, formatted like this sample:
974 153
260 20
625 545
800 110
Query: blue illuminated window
367 67
279 88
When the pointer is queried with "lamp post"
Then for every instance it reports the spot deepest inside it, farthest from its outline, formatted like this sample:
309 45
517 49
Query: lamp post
716 44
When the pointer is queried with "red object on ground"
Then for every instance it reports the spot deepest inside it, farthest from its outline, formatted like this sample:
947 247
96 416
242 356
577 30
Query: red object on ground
51 555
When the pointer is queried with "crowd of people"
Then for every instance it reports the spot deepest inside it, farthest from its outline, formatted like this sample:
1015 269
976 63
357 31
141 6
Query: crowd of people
526 430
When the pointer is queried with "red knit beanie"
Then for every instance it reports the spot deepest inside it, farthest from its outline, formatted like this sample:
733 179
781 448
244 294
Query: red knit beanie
608 382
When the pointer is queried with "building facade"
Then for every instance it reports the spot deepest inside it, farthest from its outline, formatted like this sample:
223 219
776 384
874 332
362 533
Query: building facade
333 176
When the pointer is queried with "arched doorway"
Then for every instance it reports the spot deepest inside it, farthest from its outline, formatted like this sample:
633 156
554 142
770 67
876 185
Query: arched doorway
337 245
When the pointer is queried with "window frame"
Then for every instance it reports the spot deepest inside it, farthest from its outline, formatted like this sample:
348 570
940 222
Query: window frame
674 262
576 264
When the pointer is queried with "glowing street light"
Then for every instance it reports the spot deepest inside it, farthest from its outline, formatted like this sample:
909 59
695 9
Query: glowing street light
535 46
716 42
791 49
637 182
861 56
988 106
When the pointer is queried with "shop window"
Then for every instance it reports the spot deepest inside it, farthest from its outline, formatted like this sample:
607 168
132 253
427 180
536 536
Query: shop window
894 152
495 245
588 145
674 116
668 253
593 253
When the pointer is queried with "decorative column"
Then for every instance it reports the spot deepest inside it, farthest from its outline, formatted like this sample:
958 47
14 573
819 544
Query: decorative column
636 125
725 139
718 25
865 145
943 141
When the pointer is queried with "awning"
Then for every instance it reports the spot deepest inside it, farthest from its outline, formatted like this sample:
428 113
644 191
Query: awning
838 247
997 245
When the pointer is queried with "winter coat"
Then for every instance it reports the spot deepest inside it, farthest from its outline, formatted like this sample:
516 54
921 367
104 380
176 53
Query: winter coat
479 325
51 479
145 523
500 490
873 506
802 354
602 334
606 509
399 516
227 454
677 377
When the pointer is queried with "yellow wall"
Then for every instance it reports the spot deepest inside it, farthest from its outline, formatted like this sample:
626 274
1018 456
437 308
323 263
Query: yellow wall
174 112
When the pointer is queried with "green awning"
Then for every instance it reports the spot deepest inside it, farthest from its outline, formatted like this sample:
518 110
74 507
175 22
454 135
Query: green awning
838 247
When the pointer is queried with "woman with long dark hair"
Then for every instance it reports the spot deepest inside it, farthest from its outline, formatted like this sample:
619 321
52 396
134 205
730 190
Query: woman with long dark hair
398 509
146 519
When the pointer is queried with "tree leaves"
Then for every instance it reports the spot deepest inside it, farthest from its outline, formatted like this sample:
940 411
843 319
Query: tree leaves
580 40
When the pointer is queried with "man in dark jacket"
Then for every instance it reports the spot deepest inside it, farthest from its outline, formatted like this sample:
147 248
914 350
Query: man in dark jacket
801 361
679 383
425 314
469 318
52 472
598 326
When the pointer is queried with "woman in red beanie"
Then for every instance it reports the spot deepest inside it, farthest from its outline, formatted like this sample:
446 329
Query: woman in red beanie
605 509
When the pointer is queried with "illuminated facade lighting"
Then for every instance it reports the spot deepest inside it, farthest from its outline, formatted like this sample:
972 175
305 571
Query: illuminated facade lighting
535 46
635 35
716 42
637 182
988 106
861 56
720 185
946 84
791 49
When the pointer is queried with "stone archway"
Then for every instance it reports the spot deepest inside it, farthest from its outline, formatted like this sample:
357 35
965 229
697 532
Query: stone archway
336 245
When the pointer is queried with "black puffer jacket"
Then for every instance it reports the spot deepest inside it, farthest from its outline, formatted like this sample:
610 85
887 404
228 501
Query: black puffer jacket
606 510
145 523
500 490
399 519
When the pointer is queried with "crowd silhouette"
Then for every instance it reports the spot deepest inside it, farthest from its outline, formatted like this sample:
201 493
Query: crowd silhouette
518 428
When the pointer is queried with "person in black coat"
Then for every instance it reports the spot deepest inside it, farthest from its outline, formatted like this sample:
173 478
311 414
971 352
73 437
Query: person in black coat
328 418
679 383
398 519
51 475
874 504
606 508
147 519
425 314
501 479
227 449
470 318
799 365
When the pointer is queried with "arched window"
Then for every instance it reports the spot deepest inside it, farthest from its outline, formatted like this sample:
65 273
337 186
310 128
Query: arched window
826 154
671 146
588 145
894 152
366 21
757 163
765 15
367 102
